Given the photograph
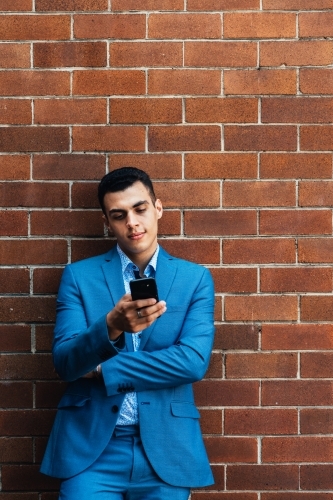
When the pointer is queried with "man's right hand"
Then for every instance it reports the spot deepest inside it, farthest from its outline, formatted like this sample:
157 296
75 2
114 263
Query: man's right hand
124 316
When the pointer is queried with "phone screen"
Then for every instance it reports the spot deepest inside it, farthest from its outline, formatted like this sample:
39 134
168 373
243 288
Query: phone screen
144 288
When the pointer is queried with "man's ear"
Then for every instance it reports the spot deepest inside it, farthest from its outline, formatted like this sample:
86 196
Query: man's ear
106 222
159 208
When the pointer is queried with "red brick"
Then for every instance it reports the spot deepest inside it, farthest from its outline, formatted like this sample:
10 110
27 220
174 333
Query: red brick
26 194
14 280
26 83
234 280
27 366
157 166
220 222
259 25
188 194
16 167
260 81
262 477
316 24
82 249
13 223
44 337
297 337
228 337
14 55
20 496
315 250
261 308
260 421
170 223
67 222
203 251
317 137
16 395
295 222
296 496
184 138
16 450
315 421
182 26
16 5
34 27
69 54
260 194
215 54
115 138
316 364
21 309
260 365
300 110
295 165
315 194
218 308
211 421
15 111
221 110
145 110
26 478
315 308
33 251
300 53
226 449
147 5
215 367
48 394
69 166
221 496
297 5
316 81
15 338
260 138
46 280
288 279
84 5
109 82
222 5
18 139
127 54
259 251
84 195
227 393
297 449
114 26
297 393
70 111
316 477
184 81
220 165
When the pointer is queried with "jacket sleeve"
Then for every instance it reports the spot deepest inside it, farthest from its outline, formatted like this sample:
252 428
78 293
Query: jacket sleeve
184 362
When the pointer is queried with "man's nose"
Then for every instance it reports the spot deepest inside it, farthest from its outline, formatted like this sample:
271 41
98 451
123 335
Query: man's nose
131 220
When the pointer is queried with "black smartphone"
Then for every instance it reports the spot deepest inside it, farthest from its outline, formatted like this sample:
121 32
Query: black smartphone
144 288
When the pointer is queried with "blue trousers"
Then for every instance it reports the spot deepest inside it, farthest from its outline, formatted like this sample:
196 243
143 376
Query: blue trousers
122 472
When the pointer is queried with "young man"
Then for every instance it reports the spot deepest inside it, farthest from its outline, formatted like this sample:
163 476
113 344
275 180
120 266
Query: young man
127 426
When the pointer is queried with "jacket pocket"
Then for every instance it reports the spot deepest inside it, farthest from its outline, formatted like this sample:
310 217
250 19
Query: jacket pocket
73 400
181 409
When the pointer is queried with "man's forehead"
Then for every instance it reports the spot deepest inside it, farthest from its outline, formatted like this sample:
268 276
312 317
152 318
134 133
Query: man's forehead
134 195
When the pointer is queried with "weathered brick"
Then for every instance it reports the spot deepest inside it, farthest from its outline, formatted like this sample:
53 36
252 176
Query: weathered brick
312 250
316 477
145 110
68 166
44 337
114 138
262 477
70 111
13 223
203 251
316 308
259 25
297 449
108 82
297 5
25 309
27 194
46 280
227 393
234 280
117 26
229 337
16 394
84 195
16 450
260 81
33 251
18 139
34 27
295 165
315 194
158 166
85 5
16 5
27 478
15 338
260 421
14 167
300 110
220 165
48 393
259 251
316 24
261 365
316 364
215 366
300 53
295 222
196 495
260 194
14 280
222 4
220 222
188 194
316 81
184 81
289 279
184 138
182 26
297 337
316 137
297 393
260 138
69 54
211 421
147 5
261 308
67 222
127 54
15 55
34 83
226 449
221 110
15 111
316 421
215 54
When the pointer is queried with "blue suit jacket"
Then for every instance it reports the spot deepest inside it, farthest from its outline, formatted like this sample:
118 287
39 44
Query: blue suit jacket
174 352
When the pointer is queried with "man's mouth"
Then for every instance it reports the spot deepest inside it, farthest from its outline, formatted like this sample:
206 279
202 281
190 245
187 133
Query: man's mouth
136 236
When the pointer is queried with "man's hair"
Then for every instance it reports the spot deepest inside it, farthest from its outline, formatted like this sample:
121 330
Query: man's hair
121 179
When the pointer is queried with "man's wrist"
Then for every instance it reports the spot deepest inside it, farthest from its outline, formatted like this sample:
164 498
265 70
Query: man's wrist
113 332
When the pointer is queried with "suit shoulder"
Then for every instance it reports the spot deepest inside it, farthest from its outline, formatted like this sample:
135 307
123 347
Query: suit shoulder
90 262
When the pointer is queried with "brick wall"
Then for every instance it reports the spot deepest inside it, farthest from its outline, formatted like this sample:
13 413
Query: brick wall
228 104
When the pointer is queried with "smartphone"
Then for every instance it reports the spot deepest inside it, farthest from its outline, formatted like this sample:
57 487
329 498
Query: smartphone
144 288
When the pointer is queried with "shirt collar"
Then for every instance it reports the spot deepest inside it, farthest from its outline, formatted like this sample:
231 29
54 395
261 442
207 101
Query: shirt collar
126 261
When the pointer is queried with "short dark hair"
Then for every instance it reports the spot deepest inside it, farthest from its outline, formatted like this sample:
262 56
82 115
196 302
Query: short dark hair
121 179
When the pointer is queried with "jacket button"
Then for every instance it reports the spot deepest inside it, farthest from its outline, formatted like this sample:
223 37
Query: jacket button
114 409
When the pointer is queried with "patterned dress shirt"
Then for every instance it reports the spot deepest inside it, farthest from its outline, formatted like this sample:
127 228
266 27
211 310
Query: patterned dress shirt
129 410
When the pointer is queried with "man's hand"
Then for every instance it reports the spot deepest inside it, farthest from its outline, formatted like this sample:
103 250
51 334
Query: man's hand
133 316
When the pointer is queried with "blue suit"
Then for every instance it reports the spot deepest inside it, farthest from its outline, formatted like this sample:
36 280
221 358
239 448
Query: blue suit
174 352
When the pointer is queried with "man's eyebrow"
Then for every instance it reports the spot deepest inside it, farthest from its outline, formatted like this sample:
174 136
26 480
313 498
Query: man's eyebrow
137 204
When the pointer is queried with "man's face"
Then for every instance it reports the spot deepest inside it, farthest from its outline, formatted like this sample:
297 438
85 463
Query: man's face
132 218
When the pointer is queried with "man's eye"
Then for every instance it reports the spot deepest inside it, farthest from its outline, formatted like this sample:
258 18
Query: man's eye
140 210
117 217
